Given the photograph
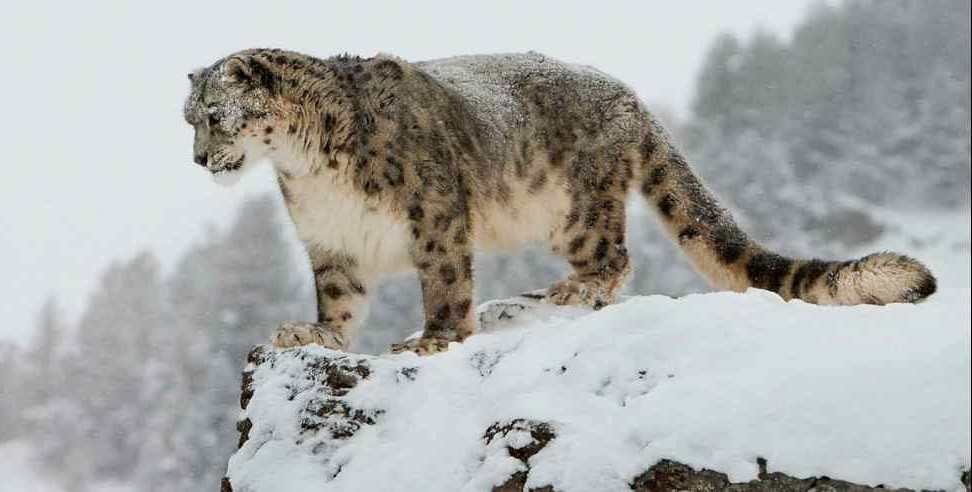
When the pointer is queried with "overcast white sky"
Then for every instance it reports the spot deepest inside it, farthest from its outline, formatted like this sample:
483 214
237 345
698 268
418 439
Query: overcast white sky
96 155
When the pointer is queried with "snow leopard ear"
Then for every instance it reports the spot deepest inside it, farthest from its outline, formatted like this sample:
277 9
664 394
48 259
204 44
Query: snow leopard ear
237 70
250 71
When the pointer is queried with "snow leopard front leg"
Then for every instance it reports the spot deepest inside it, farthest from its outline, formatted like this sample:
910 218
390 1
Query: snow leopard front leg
341 306
442 252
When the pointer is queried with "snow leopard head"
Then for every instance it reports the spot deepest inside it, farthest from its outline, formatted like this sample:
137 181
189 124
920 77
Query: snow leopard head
230 107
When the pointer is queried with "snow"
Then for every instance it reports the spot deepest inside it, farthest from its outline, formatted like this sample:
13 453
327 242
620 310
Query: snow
21 471
18 470
872 395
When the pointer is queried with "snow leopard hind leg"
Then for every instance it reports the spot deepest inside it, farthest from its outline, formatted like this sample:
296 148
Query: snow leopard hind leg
592 237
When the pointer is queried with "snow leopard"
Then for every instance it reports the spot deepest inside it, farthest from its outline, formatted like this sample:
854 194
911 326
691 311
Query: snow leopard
387 165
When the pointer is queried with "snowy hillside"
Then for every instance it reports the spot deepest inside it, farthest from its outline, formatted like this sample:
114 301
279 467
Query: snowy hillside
741 384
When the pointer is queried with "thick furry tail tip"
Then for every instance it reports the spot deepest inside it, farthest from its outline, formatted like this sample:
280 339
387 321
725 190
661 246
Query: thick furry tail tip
883 278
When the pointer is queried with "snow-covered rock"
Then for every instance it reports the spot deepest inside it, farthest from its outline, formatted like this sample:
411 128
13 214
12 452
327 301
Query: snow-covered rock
705 392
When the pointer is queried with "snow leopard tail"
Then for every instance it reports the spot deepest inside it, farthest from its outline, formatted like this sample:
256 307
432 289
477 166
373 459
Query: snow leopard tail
729 259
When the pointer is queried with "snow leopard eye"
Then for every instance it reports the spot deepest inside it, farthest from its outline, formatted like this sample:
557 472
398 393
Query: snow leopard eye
213 120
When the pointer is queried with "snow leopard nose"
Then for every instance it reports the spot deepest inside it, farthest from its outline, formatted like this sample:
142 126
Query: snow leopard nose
201 159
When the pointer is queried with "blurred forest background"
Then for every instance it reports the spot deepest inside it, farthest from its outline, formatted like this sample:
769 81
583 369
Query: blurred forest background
829 143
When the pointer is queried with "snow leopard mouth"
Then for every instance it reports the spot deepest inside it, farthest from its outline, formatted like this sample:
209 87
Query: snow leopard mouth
230 167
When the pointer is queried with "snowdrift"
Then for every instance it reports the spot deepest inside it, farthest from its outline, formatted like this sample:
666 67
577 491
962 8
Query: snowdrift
705 392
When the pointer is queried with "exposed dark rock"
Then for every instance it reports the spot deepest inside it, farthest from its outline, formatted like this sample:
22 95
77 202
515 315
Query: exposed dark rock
541 434
256 357
667 475
243 427
337 417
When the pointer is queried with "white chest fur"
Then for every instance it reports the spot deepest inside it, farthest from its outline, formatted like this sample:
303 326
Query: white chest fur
330 216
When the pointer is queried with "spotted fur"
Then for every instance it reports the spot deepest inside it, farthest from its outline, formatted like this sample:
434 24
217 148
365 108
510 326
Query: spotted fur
387 165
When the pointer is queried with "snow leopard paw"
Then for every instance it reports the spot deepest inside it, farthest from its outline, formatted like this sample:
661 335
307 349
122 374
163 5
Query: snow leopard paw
422 346
298 333
576 293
